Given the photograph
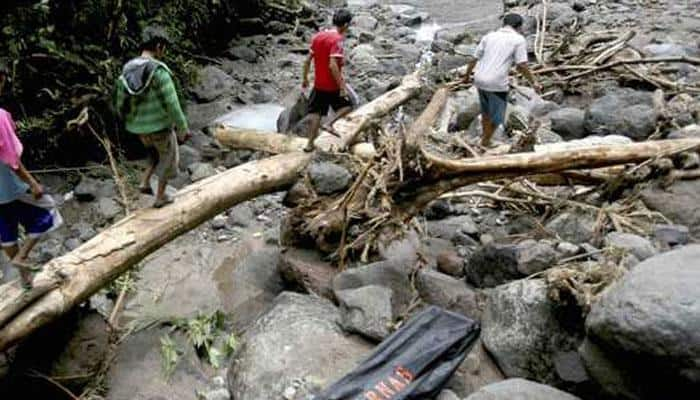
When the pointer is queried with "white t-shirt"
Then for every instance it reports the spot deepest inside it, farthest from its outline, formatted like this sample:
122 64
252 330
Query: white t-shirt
497 52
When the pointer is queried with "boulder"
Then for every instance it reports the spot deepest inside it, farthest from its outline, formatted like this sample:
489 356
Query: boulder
295 109
623 112
367 310
679 202
108 208
447 292
328 178
200 170
244 53
573 227
201 116
478 370
362 57
495 263
137 372
241 215
466 109
90 189
293 351
212 83
644 330
520 389
522 331
568 122
304 270
365 22
454 229
393 274
447 395
188 156
634 244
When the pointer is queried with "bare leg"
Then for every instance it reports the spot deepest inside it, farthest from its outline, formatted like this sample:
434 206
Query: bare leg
13 253
341 113
146 180
488 129
315 130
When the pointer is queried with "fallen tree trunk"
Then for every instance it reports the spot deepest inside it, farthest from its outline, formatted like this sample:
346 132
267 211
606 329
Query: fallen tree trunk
109 254
275 143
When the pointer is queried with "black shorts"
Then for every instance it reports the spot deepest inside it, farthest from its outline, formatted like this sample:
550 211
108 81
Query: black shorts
320 101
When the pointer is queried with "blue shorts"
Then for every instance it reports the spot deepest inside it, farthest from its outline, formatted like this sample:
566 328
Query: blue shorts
493 104
35 220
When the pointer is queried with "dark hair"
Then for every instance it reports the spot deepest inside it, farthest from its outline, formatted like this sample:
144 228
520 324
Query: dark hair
153 36
342 17
513 20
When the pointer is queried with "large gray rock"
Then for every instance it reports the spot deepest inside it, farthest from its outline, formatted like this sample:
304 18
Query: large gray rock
328 178
108 208
634 244
495 264
671 235
623 112
137 373
647 328
212 83
568 122
520 389
679 202
367 311
188 156
201 170
90 189
298 341
573 227
363 56
295 109
447 292
459 230
478 370
467 108
523 333
393 274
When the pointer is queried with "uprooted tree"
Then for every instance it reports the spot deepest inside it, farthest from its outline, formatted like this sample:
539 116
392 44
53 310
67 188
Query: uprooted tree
397 175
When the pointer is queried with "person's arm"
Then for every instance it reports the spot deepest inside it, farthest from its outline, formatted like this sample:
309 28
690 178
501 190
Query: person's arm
521 65
171 102
307 68
472 63
470 68
338 74
525 71
26 176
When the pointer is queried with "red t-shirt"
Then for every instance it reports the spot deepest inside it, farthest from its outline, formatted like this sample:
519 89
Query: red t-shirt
324 46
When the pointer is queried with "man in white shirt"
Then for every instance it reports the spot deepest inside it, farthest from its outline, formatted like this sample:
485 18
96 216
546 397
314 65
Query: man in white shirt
495 56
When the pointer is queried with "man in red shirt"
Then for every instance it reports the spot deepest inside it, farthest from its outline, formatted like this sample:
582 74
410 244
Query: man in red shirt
330 90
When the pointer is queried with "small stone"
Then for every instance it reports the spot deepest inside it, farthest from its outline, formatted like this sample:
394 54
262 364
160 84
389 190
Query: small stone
241 215
672 235
367 311
243 53
72 244
219 222
328 178
108 208
450 263
568 249
634 244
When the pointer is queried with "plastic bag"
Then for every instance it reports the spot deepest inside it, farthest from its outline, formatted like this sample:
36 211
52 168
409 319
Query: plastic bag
413 363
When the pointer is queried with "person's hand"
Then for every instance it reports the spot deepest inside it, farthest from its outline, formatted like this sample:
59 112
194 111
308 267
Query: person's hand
37 190
344 92
184 138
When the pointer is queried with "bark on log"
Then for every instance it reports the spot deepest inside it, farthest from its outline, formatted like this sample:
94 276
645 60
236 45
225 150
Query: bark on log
275 143
420 127
109 254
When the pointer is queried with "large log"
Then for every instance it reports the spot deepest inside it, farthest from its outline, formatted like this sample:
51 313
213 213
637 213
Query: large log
275 143
109 254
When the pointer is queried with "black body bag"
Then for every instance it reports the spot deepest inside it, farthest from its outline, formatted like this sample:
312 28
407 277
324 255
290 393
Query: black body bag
413 363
